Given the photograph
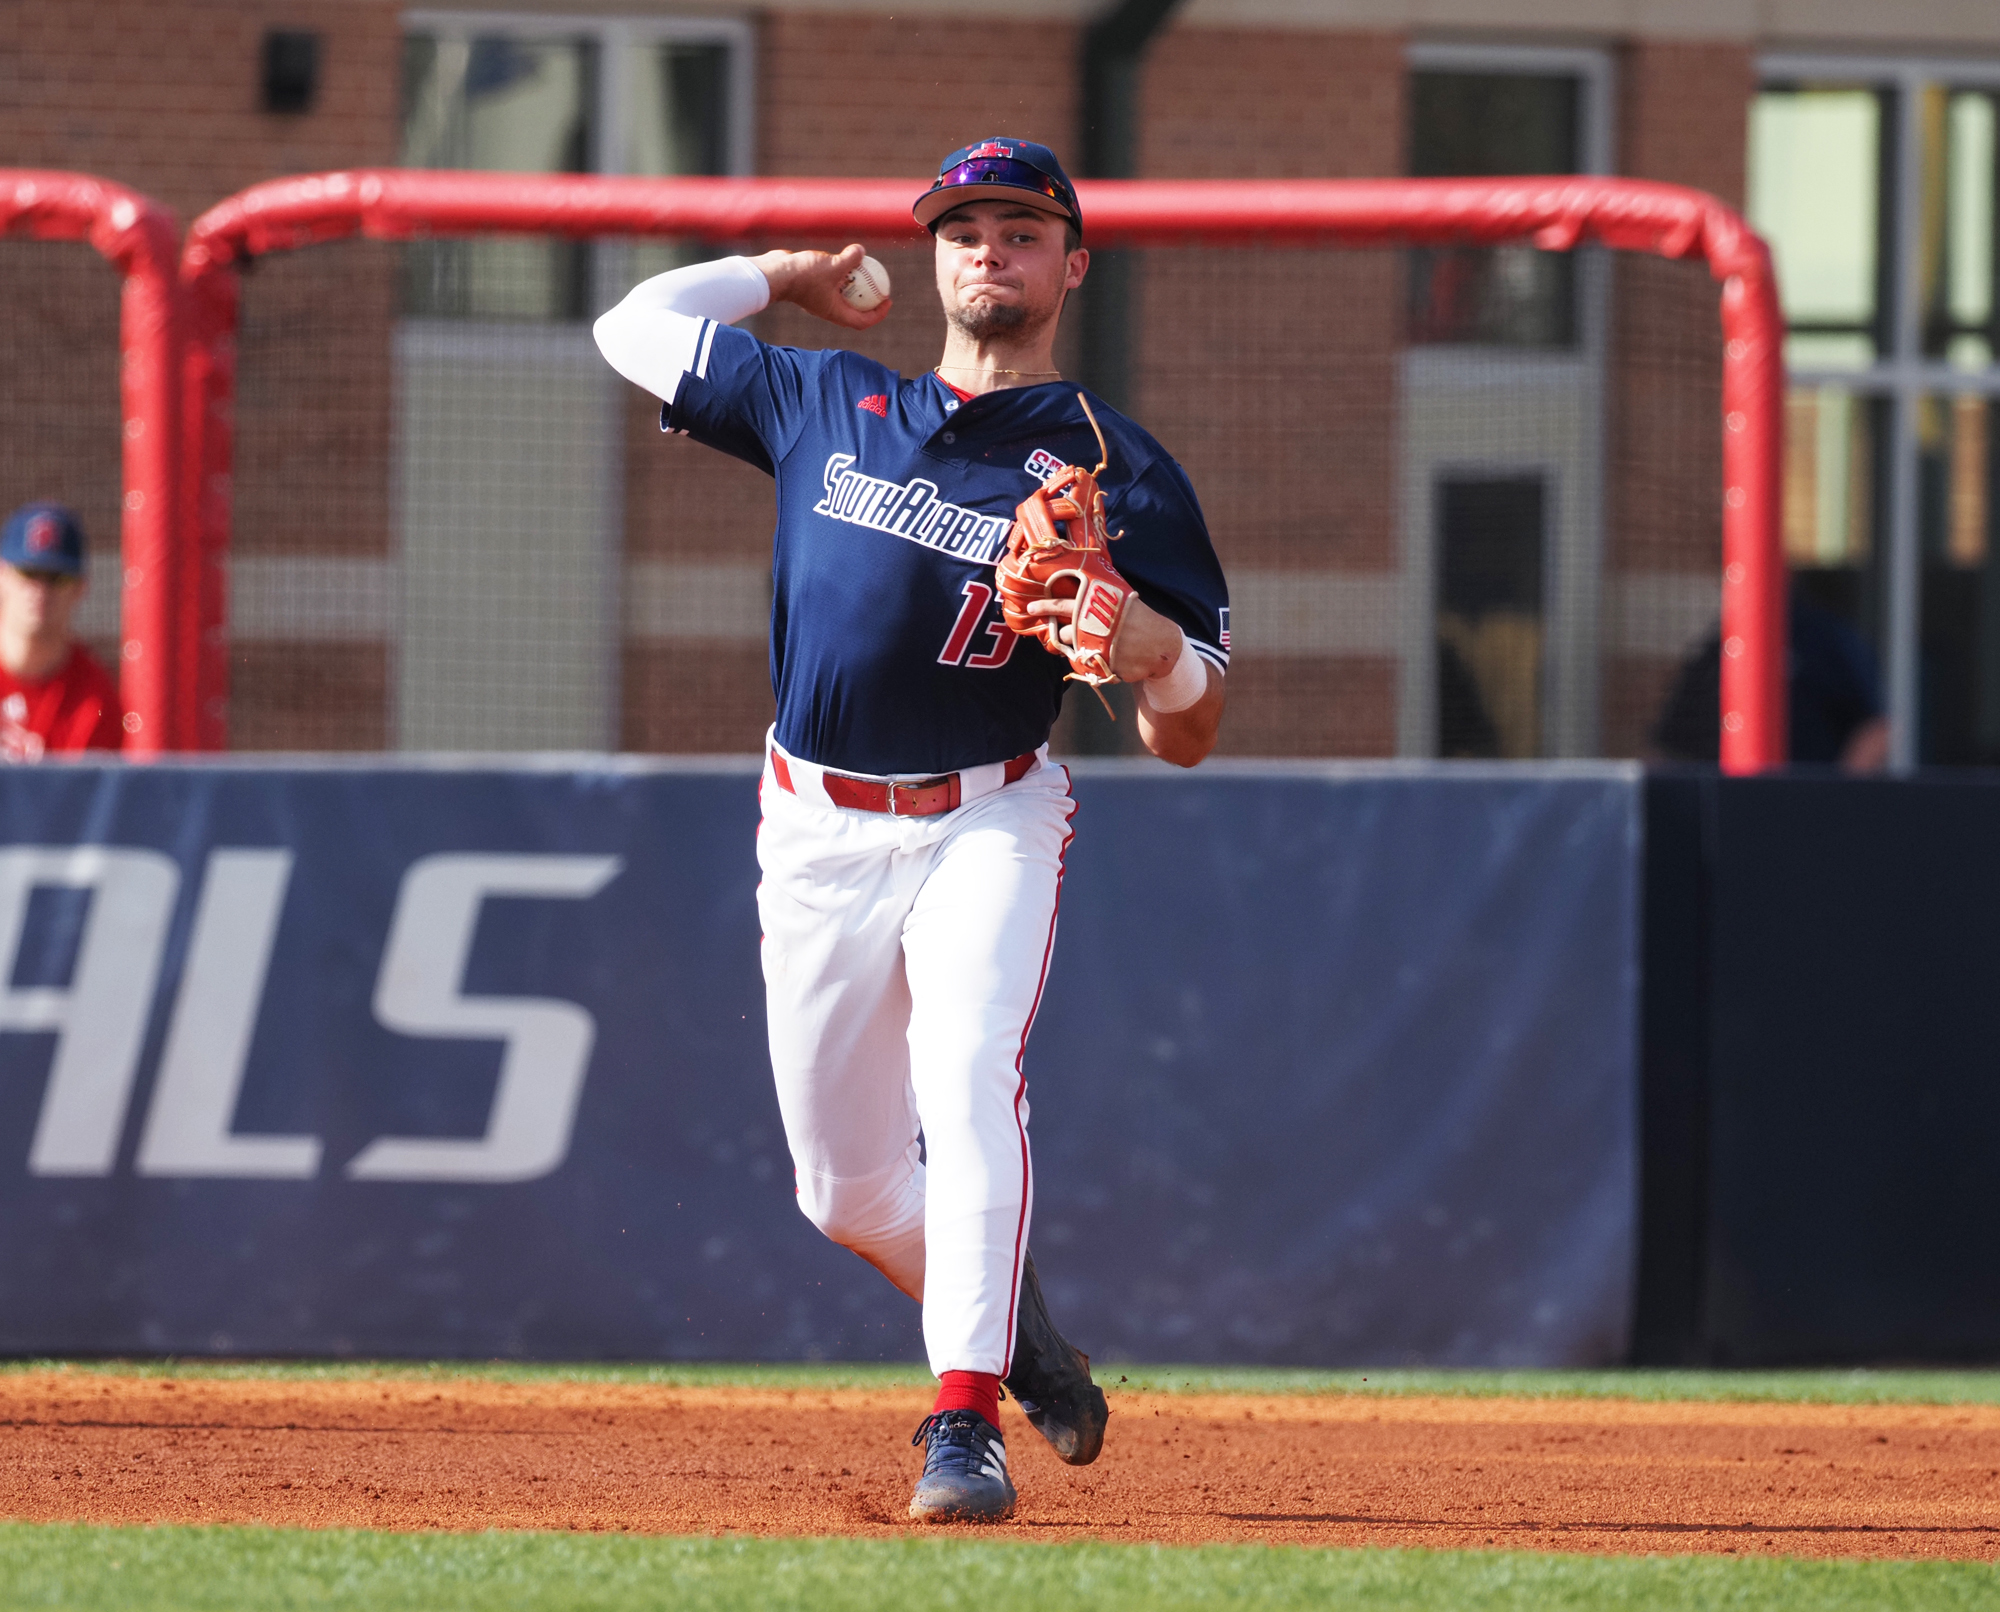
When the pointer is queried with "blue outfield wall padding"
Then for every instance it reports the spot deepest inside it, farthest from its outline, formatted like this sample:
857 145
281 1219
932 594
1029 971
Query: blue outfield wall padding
1336 1065
1852 1181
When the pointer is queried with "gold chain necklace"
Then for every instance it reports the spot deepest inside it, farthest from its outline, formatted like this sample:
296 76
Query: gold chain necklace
974 369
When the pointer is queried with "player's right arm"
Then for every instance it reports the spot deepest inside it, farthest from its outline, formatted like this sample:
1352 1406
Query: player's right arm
653 338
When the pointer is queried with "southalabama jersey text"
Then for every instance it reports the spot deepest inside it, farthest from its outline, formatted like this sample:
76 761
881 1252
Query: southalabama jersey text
913 510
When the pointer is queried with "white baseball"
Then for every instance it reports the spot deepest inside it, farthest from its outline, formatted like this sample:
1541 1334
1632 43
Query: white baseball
867 287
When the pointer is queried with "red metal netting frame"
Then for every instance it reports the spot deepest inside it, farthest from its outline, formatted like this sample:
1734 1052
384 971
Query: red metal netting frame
1557 214
141 240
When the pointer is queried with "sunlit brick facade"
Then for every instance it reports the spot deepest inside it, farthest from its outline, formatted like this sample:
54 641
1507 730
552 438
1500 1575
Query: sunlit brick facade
1279 380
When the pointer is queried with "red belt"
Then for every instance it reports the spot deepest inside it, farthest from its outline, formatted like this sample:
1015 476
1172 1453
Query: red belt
924 798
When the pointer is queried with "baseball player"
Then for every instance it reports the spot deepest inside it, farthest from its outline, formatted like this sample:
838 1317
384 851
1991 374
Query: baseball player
913 827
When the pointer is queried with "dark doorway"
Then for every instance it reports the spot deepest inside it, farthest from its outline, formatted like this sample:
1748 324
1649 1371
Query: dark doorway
1491 543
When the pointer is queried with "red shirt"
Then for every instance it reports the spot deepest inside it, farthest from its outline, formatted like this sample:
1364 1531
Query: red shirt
74 708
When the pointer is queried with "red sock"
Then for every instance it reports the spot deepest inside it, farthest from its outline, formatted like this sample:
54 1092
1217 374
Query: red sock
970 1390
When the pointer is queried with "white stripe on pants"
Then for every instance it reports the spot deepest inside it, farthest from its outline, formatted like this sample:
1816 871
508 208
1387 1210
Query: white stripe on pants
903 962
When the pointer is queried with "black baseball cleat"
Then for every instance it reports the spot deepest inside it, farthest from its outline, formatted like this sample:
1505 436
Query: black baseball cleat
1051 1380
965 1470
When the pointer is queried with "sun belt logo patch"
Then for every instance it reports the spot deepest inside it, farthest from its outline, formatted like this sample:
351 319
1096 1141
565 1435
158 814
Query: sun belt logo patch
40 536
1040 463
876 403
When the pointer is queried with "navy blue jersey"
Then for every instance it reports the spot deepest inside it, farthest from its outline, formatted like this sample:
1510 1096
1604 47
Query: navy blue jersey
888 652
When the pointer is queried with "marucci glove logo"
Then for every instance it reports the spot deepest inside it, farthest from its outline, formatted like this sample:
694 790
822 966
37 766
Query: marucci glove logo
1099 608
912 511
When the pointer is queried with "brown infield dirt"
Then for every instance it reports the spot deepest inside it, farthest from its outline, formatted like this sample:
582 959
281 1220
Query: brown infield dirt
1570 1475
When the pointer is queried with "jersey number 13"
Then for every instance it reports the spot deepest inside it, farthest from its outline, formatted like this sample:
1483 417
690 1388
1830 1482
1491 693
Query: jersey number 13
999 637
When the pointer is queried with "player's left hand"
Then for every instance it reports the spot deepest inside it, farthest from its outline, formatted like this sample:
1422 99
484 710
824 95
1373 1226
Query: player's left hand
1145 646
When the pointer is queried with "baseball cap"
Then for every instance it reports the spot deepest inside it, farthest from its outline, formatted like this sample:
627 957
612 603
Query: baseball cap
1000 170
43 537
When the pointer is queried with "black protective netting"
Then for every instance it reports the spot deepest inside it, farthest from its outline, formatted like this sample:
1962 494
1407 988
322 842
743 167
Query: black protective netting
457 529
59 404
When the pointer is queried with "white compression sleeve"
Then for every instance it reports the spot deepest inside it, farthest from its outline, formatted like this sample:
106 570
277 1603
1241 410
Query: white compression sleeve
652 336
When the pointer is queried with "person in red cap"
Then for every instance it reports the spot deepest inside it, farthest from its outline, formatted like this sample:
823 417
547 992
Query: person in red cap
54 696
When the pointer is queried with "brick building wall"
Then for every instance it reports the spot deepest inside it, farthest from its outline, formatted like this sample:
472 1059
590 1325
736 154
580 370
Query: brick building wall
166 98
1271 375
59 404
309 661
1683 114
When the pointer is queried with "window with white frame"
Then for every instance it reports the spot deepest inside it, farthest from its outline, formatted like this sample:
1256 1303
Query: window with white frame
1501 507
509 428
1875 183
1472 119
520 94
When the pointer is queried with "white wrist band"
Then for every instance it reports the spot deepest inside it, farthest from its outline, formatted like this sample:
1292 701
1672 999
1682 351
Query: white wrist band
1180 686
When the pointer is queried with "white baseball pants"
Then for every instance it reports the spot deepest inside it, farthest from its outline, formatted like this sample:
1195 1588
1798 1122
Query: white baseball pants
904 958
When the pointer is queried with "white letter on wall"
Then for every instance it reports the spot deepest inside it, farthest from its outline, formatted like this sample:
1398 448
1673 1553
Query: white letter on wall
548 1042
100 1019
215 1015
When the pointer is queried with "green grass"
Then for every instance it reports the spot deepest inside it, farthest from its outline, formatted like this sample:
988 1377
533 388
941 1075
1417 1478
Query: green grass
1870 1387
274 1570
664 1374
